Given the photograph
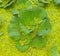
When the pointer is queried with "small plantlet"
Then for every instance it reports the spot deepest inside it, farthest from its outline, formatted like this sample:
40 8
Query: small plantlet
29 25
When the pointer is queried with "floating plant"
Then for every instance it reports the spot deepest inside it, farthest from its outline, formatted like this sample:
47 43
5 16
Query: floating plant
31 25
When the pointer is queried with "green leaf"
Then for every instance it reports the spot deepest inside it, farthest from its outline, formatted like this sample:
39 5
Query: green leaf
21 1
15 11
1 1
25 30
44 2
28 4
27 16
44 27
54 51
39 42
56 2
1 33
9 3
13 29
6 3
21 48
1 23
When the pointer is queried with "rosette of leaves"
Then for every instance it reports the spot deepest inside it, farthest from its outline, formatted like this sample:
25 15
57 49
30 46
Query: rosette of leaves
30 24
